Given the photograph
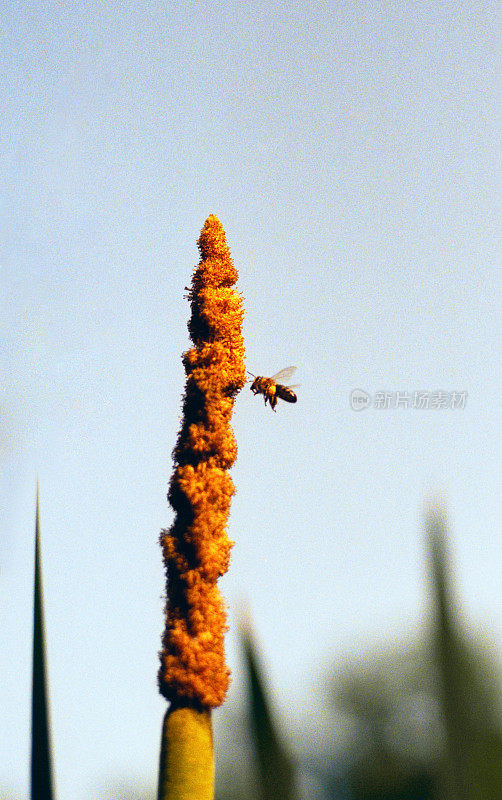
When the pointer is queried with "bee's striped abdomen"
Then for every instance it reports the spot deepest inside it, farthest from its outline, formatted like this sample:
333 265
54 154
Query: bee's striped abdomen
285 393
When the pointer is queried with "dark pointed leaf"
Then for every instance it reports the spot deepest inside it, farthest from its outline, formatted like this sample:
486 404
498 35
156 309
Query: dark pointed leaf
41 768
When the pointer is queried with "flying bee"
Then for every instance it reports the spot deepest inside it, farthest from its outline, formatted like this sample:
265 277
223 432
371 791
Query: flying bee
271 388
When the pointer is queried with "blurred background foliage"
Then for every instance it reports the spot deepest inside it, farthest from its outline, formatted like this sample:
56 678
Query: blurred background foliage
420 719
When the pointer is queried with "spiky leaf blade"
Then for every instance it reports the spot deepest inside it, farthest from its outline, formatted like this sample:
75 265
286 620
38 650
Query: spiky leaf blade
41 762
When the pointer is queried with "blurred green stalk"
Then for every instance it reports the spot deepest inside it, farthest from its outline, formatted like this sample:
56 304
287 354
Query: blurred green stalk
275 769
448 652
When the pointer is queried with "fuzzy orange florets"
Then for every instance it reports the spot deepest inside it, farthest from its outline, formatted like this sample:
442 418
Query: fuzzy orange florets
196 548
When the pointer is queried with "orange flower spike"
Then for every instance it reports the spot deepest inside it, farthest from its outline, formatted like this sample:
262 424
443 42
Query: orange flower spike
196 548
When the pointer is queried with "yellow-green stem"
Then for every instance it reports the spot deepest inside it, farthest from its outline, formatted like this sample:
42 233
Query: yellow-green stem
186 755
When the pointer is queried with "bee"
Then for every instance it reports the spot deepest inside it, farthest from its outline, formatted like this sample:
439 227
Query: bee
271 389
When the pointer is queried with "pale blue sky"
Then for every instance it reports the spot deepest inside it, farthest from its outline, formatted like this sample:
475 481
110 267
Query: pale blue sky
352 153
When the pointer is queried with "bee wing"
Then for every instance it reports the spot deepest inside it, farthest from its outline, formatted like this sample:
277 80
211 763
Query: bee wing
284 375
293 385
